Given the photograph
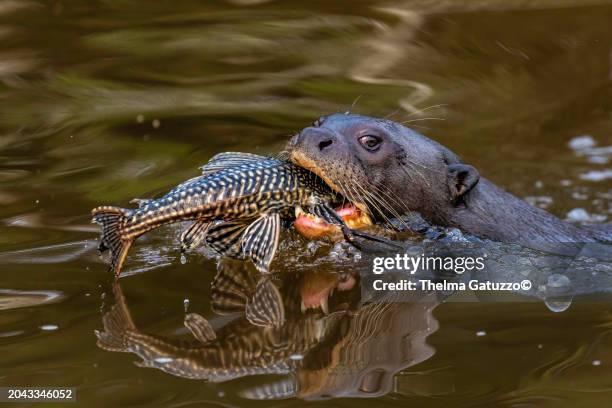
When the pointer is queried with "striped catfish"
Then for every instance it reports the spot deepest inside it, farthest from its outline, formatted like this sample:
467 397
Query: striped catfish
235 350
237 204
311 355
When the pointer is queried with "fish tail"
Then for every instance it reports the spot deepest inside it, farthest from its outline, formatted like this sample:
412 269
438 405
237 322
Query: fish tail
118 326
112 220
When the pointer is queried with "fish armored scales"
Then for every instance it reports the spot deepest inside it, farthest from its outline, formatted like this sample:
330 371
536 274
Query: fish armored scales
249 193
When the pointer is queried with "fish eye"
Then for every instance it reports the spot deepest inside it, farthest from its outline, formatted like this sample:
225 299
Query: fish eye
370 142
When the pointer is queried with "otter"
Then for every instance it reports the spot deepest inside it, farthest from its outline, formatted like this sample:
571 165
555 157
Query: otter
389 169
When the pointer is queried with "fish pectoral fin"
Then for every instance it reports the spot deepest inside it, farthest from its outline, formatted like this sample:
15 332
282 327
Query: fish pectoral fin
260 240
194 235
231 286
229 159
265 308
200 327
224 238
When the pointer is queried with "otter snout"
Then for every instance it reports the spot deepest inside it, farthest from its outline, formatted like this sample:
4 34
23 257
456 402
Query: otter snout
320 151
314 141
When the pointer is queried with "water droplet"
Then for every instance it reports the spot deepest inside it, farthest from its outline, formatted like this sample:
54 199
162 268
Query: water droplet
481 333
221 394
596 362
296 357
540 346
558 306
156 123
558 293
140 118
186 304
49 327
558 281
183 259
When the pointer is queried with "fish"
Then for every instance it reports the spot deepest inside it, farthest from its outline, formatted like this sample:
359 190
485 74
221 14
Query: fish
237 205
237 349
311 356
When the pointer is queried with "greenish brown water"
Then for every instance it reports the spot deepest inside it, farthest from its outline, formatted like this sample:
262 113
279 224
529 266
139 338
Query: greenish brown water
101 102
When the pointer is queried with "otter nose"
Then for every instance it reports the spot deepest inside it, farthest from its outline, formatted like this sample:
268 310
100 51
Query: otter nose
325 143
321 139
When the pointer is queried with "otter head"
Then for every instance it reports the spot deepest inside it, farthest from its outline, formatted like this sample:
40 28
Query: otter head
383 166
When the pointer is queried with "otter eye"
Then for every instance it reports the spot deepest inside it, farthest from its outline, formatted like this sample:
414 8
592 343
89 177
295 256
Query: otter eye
370 142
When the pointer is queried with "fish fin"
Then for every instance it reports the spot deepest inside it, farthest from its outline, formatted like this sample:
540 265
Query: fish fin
192 236
185 184
225 238
260 240
229 159
112 219
140 201
220 162
200 327
275 390
328 214
265 308
231 286
118 325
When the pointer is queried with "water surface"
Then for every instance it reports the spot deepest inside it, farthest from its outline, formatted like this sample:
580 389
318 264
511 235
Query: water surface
101 102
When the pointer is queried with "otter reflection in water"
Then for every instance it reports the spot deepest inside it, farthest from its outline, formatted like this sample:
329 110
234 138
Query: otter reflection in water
353 350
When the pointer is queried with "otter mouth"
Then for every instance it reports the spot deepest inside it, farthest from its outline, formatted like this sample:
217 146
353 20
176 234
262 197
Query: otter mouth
313 227
306 162
326 292
355 215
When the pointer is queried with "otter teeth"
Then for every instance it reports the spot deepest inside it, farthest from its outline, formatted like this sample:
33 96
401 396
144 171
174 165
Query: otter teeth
325 304
299 211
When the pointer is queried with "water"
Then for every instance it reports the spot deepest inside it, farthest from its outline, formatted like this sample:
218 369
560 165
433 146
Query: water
102 102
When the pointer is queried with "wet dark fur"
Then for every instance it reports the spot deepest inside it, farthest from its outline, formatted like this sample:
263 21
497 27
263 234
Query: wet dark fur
418 174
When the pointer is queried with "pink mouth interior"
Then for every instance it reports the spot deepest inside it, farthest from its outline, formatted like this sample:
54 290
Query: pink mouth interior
312 296
314 299
313 227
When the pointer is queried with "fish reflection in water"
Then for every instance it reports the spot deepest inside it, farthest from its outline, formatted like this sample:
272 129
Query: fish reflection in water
354 350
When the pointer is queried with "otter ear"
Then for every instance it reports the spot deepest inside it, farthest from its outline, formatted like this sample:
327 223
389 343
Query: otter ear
461 179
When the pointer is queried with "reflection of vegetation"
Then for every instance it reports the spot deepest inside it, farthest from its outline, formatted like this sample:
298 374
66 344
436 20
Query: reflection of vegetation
271 63
221 77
